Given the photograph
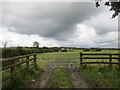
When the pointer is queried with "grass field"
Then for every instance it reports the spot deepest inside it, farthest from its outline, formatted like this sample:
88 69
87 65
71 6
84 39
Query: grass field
46 58
97 75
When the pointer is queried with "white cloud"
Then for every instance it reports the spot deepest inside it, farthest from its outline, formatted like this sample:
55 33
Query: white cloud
16 39
85 36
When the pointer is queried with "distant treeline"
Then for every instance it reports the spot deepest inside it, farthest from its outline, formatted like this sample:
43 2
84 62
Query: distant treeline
97 48
17 51
77 48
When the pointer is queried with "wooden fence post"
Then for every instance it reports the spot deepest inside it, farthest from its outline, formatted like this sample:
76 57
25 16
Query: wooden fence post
27 63
110 61
35 57
12 62
119 61
11 76
12 69
81 59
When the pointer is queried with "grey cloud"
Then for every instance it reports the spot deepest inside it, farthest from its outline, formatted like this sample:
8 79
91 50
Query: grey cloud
0 14
59 20
53 20
103 23
112 44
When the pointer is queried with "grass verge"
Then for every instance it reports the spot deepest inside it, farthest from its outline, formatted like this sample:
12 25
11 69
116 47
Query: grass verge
22 79
101 77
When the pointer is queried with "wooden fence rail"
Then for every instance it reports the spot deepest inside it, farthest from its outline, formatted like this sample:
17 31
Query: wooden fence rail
108 56
12 63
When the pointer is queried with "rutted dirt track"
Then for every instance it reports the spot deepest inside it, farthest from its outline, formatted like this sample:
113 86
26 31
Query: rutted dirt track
44 77
75 77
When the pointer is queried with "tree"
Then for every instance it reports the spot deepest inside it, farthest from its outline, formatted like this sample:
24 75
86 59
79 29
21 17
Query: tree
36 44
5 44
115 6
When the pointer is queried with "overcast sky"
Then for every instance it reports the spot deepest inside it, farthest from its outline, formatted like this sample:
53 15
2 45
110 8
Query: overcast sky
77 24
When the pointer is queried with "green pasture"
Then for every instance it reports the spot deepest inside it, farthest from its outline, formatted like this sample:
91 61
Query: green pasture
46 58
97 73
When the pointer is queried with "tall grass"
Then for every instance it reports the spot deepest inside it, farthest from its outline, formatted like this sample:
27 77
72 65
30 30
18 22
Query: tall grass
21 79
101 76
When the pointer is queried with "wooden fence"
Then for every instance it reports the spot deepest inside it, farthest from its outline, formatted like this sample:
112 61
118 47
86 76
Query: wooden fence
93 56
12 63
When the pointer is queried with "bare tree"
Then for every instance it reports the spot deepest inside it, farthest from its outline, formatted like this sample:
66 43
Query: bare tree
5 44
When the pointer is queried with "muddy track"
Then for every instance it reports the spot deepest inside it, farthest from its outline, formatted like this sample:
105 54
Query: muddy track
76 79
43 78
42 81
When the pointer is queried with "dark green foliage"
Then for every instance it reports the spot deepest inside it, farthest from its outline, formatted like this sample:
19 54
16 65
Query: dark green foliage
55 49
9 52
115 6
92 49
51 49
97 4
64 50
45 50
98 49
18 51
86 50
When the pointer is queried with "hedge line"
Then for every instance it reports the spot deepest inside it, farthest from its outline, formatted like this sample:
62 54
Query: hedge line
17 51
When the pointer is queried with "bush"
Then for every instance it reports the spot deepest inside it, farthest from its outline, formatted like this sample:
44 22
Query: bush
64 51
9 52
98 49
17 51
86 50
45 50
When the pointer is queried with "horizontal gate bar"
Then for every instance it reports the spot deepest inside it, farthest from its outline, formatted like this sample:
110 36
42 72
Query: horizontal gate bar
57 57
60 53
98 62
